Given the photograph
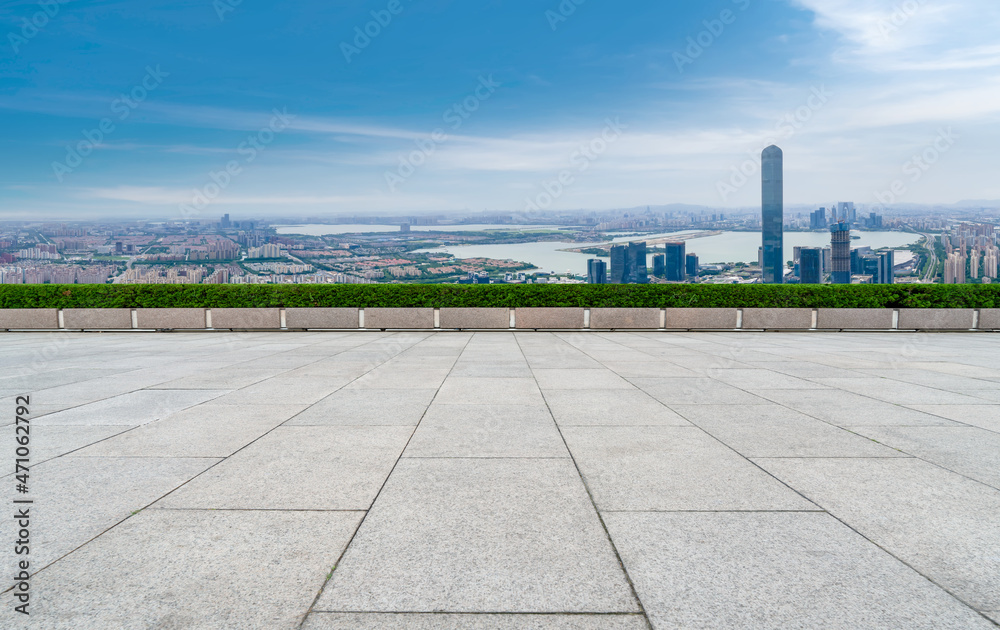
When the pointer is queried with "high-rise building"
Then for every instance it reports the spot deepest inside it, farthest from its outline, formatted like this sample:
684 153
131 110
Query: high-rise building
676 259
991 260
811 265
224 223
597 271
846 212
638 272
628 264
818 220
619 265
659 265
954 268
772 215
886 266
840 243
692 265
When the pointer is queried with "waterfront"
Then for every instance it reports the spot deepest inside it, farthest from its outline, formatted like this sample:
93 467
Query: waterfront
726 247
355 228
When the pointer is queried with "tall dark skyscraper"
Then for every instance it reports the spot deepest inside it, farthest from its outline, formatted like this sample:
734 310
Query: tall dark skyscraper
637 273
628 264
840 242
773 214
675 261
659 265
619 265
811 265
597 271
692 265
887 273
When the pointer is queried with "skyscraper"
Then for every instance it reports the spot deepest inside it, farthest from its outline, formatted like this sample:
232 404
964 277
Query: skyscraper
628 264
675 261
887 273
619 265
847 212
692 265
659 265
811 265
597 271
772 212
840 242
817 220
637 272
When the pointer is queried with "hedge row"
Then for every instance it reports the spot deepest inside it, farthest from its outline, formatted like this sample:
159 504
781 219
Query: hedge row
441 296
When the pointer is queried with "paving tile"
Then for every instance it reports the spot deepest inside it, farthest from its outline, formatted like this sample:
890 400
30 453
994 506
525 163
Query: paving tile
695 391
982 416
648 369
458 390
492 369
370 407
938 522
401 377
48 441
209 430
777 431
845 409
992 395
929 378
757 379
575 361
194 569
774 570
281 390
486 431
222 379
969 451
580 379
131 409
473 535
299 468
897 392
77 498
672 468
430 621
609 407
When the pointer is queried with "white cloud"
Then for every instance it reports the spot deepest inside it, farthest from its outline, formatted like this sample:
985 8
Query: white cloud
912 34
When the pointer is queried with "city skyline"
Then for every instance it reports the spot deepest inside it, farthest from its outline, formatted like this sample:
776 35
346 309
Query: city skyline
670 105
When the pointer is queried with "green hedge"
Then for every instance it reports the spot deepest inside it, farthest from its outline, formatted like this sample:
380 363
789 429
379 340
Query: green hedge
440 296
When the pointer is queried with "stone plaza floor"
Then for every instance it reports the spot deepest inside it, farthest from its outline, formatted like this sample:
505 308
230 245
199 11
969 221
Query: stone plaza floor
506 480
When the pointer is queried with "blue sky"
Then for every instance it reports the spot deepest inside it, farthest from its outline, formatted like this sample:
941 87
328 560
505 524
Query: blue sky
660 102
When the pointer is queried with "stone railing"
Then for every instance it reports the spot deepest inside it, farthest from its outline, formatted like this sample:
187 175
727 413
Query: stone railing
576 319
